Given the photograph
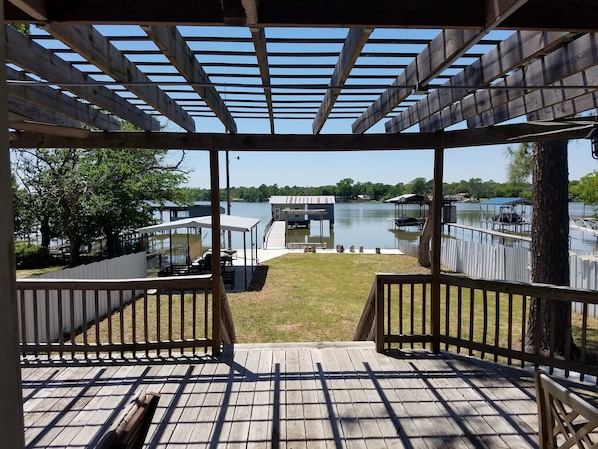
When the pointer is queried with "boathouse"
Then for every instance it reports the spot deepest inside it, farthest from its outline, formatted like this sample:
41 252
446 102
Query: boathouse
298 211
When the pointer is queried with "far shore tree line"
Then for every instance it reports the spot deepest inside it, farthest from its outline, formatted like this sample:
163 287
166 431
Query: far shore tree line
347 189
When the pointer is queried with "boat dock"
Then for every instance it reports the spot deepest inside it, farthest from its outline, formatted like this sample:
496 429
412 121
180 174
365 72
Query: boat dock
276 236
489 233
584 224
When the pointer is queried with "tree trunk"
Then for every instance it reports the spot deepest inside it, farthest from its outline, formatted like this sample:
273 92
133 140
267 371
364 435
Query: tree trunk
46 233
550 249
423 255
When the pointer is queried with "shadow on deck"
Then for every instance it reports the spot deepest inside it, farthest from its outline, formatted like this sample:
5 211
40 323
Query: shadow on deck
288 395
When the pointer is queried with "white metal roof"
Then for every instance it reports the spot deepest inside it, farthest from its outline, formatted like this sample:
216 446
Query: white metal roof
227 223
305 199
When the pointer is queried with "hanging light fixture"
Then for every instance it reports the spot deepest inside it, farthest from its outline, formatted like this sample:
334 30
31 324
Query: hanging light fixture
593 136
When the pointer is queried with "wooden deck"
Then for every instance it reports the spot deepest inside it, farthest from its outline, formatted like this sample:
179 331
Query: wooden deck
300 395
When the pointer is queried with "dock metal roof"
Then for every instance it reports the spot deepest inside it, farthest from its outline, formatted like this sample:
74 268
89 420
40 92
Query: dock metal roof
313 199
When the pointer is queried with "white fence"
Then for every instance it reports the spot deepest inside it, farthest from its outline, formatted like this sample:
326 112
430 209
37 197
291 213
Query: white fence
74 312
513 264
486 261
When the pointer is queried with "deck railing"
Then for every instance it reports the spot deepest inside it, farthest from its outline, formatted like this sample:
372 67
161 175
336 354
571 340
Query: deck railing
131 316
482 318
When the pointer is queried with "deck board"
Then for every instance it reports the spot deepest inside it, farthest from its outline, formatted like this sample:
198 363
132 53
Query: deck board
287 396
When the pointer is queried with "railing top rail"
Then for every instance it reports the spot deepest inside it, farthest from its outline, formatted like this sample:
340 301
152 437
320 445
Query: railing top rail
170 282
562 293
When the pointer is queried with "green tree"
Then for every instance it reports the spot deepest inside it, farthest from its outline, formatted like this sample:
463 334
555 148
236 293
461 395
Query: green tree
519 166
344 189
586 189
85 195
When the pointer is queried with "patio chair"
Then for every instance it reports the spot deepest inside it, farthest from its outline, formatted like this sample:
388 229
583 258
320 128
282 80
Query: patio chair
565 419
132 429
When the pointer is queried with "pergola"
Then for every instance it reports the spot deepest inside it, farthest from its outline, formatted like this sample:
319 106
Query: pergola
479 62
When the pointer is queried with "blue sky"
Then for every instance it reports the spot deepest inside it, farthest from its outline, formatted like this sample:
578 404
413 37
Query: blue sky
388 167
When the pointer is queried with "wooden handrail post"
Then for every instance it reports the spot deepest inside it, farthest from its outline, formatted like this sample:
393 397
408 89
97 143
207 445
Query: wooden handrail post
437 202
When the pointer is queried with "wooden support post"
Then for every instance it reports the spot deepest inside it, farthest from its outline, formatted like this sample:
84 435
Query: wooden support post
216 275
437 202
11 408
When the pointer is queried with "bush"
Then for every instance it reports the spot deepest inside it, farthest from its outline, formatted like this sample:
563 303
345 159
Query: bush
31 256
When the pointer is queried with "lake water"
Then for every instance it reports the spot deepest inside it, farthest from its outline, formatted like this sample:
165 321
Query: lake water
366 224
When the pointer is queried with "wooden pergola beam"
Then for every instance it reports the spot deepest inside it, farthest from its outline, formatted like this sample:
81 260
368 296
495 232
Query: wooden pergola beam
55 100
173 46
539 99
354 42
448 46
304 142
565 61
32 57
556 15
509 54
258 37
95 48
20 110
34 8
567 108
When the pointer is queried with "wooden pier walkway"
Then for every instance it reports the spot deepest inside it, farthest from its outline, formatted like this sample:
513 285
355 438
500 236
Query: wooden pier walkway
276 237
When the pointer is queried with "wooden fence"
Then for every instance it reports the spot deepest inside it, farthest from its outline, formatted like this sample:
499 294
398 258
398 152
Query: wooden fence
481 318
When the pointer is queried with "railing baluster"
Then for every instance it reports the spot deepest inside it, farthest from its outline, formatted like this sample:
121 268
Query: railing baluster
194 313
447 313
35 319
524 329
72 333
96 320
471 317
496 325
412 311
389 318
553 308
48 337
485 318
584 336
459 316
510 327
424 311
60 323
109 319
170 321
24 314
182 318
401 303
121 316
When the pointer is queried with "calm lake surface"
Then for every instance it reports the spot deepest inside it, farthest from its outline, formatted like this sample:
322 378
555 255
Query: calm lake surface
366 224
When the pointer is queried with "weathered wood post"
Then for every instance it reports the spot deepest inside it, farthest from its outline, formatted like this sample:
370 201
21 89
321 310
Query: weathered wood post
11 408
437 201
216 275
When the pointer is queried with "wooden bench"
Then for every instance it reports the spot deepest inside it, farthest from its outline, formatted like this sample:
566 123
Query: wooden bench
132 429
564 418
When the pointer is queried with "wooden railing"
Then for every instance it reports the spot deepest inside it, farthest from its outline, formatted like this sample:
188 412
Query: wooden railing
482 318
129 317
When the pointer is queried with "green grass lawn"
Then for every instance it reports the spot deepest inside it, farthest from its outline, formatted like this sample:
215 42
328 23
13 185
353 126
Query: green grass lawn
312 297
